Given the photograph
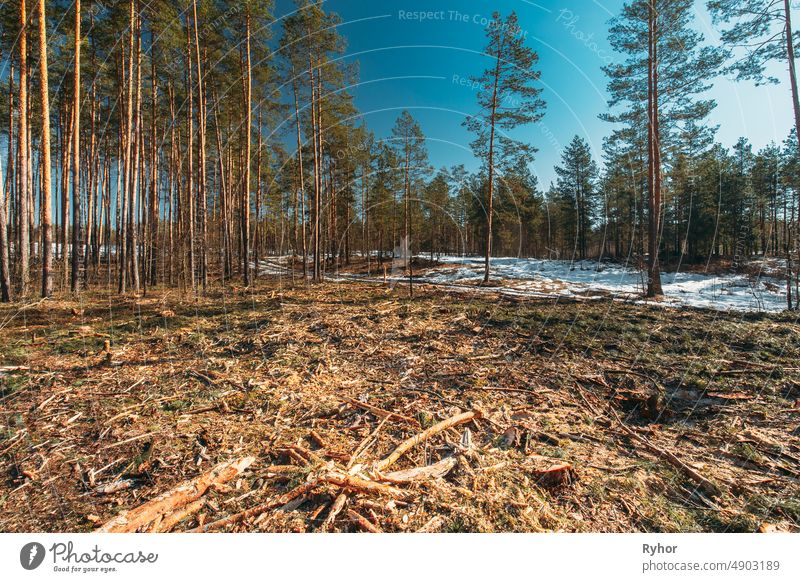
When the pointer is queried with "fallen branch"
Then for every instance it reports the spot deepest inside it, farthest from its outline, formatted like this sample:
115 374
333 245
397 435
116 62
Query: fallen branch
434 471
379 412
337 507
362 521
166 503
409 444
273 503
357 483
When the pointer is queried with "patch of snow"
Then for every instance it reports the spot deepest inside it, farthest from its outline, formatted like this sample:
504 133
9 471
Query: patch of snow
563 278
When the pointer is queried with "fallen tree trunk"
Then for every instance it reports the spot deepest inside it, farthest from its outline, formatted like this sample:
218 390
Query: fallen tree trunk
169 502
409 444
178 516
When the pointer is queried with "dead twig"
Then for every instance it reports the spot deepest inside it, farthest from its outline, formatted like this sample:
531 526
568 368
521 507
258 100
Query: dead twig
409 444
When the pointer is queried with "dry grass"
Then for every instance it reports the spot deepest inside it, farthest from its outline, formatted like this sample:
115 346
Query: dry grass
273 372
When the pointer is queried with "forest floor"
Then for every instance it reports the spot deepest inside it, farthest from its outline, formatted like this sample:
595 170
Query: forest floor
565 415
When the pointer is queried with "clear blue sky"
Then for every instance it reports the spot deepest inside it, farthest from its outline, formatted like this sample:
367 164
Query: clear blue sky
408 63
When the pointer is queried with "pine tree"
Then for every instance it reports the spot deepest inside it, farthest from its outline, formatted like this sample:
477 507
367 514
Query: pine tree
76 153
759 32
23 167
46 203
666 69
577 190
409 143
507 100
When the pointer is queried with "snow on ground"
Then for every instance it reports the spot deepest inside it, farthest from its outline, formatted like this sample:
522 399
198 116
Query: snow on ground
724 292
548 278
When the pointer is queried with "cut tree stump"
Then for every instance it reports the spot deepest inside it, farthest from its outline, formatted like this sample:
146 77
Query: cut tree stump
555 475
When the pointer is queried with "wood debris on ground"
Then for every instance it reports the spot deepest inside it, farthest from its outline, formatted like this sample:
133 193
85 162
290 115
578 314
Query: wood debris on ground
347 407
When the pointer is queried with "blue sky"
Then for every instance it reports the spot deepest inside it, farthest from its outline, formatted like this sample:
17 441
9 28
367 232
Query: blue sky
423 64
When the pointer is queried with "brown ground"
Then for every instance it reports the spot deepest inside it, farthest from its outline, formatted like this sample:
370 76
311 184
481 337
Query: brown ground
188 384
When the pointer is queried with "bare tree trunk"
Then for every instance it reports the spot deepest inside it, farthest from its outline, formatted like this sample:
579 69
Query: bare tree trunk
23 196
190 154
133 229
257 230
76 158
301 178
5 274
654 170
245 226
224 193
406 220
490 196
201 127
151 270
47 202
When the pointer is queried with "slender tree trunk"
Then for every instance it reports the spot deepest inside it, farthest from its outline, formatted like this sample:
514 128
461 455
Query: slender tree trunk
127 135
151 269
796 108
406 221
5 274
490 196
257 230
23 195
76 157
190 153
201 127
133 226
248 123
301 179
47 202
654 170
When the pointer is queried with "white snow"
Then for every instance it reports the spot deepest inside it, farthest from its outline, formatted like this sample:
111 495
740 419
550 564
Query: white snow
733 292
548 278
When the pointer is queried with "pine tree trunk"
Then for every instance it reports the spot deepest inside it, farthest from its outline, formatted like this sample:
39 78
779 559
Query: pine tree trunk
201 126
76 162
47 202
23 195
5 274
133 222
490 197
248 123
190 155
654 169
257 231
301 179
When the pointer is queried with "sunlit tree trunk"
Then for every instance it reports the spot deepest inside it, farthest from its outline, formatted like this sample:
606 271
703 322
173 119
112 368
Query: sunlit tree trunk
47 202
23 195
76 159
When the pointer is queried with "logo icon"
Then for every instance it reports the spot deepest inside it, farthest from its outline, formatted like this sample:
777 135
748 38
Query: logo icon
31 555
